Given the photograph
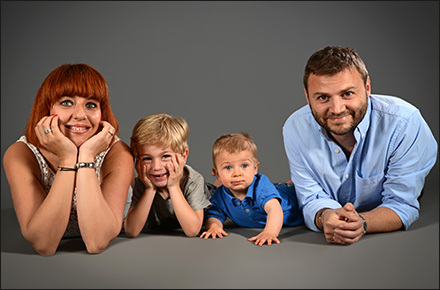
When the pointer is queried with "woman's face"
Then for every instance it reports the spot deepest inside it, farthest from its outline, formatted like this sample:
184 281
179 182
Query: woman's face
79 117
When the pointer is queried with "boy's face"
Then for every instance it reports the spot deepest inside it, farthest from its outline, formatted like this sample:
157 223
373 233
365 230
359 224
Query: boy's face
236 171
155 158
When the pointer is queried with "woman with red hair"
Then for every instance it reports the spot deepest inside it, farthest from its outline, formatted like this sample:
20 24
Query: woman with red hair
70 173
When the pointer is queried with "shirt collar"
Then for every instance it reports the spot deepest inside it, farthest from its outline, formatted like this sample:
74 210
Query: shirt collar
249 193
362 128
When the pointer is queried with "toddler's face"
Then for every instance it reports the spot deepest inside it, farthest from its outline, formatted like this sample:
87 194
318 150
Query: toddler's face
236 171
155 159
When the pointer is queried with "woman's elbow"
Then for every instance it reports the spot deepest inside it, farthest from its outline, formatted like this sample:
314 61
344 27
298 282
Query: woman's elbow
97 245
96 248
45 251
44 247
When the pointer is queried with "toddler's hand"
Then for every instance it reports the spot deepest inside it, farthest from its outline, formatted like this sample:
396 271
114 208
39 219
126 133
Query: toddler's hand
216 232
264 237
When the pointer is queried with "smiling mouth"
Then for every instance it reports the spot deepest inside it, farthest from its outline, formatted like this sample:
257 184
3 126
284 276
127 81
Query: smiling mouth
77 129
159 176
339 116
337 120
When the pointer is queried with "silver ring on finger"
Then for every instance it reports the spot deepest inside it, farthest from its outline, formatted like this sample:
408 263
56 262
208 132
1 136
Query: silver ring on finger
47 131
111 133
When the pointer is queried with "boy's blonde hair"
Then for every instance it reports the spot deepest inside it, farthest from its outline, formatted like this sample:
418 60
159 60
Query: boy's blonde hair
234 143
161 130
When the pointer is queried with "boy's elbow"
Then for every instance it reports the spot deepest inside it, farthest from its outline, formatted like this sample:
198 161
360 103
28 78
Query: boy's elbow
131 234
191 233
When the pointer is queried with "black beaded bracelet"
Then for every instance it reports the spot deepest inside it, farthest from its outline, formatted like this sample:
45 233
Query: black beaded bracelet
66 169
86 165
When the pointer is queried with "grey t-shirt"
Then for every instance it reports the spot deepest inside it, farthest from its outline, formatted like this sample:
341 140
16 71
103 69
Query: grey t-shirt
161 213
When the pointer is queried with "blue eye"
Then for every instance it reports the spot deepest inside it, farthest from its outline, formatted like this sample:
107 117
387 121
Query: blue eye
245 165
66 103
228 167
91 105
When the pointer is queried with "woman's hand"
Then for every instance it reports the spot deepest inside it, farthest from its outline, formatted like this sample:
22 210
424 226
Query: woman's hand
99 142
50 136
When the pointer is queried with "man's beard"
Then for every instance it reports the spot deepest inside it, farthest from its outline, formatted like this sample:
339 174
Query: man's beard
342 130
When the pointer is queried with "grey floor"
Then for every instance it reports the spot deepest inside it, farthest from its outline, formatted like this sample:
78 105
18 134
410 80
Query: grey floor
402 259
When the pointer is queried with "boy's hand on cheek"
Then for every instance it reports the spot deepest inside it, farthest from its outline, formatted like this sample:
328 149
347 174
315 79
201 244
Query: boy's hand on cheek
141 170
175 170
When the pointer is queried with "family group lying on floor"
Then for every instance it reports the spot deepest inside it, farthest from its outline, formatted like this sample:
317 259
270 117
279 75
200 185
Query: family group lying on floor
358 163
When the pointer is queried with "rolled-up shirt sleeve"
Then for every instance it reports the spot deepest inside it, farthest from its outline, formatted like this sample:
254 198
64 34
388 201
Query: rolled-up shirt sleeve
414 153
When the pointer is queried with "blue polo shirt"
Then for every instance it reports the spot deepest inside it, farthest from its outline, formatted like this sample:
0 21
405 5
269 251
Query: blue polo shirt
249 212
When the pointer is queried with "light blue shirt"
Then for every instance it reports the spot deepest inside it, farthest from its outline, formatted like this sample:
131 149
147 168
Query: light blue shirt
394 152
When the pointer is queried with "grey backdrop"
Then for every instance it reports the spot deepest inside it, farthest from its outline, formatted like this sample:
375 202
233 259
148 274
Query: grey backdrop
223 66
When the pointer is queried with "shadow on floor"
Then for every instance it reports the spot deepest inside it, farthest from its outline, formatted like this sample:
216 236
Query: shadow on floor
13 242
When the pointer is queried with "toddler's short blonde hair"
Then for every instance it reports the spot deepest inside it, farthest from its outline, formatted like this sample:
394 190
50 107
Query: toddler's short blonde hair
234 143
161 130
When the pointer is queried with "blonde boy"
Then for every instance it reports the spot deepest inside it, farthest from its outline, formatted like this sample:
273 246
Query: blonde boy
167 193
247 197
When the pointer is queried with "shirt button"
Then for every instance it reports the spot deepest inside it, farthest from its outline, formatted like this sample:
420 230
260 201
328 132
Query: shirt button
363 135
247 210
346 176
337 150
238 203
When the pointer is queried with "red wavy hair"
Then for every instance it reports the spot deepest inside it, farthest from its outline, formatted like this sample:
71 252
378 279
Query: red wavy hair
69 80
